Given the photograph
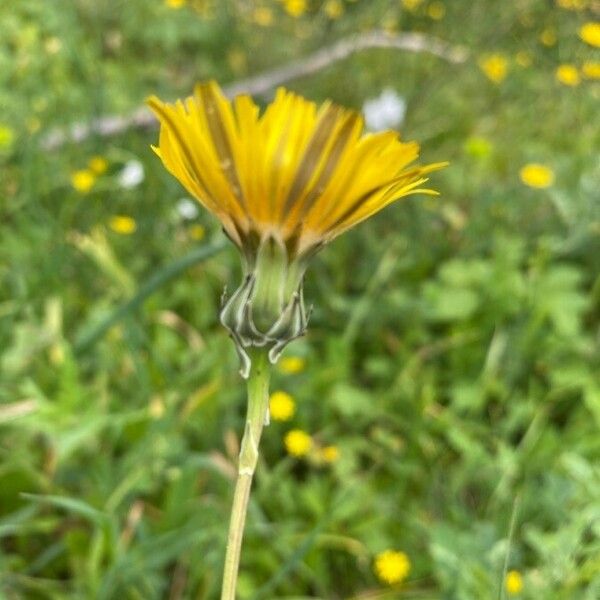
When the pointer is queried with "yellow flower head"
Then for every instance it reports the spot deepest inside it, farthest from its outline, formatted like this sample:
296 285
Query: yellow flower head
83 180
537 176
295 8
292 365
175 4
297 442
330 454
263 16
334 9
590 33
548 37
281 406
572 4
197 232
123 224
98 164
513 583
591 70
436 11
392 566
495 67
568 75
283 184
412 5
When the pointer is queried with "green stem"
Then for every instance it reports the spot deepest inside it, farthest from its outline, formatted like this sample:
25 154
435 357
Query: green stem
258 404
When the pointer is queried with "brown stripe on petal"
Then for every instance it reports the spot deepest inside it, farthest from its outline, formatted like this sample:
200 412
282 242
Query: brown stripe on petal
356 205
333 159
221 140
312 155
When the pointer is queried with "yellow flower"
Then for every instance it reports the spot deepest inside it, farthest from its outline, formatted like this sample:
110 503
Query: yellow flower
98 164
537 176
567 75
572 4
281 406
330 454
523 58
123 224
283 184
263 16
197 232
436 10
334 9
175 4
83 180
237 60
7 136
495 67
392 566
548 37
513 583
295 8
590 33
292 365
591 70
412 5
297 442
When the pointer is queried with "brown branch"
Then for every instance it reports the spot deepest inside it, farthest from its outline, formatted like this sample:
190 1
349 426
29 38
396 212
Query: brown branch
264 83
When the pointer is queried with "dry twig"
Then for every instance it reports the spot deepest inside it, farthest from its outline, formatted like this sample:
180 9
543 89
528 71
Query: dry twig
266 82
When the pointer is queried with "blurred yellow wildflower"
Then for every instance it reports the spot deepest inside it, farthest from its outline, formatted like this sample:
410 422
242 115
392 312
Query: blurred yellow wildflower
495 67
590 33
122 224
536 175
281 406
297 442
523 58
436 11
237 60
292 365
572 4
412 5
567 75
513 583
392 566
591 70
197 232
175 4
263 16
83 180
295 8
98 164
330 454
7 136
548 37
334 9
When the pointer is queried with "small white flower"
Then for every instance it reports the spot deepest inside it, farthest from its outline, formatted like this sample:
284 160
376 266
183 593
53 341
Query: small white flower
387 111
187 209
132 174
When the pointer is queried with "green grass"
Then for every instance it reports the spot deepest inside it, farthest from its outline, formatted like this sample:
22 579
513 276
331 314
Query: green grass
452 356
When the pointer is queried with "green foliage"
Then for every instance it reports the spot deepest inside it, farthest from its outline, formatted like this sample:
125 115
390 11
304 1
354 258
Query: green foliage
452 356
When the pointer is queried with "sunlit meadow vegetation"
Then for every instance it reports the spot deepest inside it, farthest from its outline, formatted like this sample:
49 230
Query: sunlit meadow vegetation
436 434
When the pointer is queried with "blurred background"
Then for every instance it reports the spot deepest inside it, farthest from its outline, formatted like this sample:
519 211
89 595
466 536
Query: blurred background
444 408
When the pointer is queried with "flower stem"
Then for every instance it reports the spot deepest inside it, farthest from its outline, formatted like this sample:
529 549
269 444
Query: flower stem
257 415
